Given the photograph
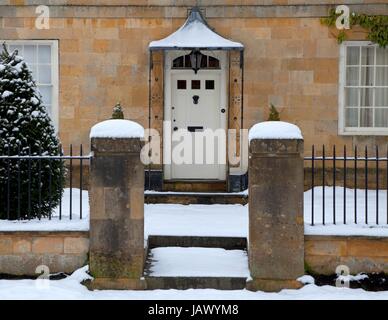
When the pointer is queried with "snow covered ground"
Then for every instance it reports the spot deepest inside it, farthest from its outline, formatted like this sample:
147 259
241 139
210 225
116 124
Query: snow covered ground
351 227
200 220
70 288
226 220
75 224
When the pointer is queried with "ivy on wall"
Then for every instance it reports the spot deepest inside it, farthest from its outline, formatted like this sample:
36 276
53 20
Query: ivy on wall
376 26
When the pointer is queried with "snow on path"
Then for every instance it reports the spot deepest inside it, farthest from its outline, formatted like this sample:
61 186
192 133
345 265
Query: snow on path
227 220
70 288
202 262
196 220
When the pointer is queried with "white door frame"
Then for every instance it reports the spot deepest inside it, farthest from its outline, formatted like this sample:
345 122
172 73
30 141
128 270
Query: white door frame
168 58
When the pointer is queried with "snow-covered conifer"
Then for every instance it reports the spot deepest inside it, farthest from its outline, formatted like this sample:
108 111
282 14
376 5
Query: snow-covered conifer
25 128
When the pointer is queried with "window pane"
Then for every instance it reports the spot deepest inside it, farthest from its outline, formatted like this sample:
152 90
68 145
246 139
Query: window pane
368 56
381 76
353 56
181 84
187 61
44 55
214 63
33 70
366 117
209 84
178 62
351 97
381 117
45 91
195 84
352 75
204 61
19 48
30 54
44 74
366 97
351 117
382 56
49 109
367 76
381 97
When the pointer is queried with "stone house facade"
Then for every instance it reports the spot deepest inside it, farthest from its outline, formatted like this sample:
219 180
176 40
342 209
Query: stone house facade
96 53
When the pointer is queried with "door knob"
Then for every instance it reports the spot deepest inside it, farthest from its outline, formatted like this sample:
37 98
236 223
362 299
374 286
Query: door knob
175 128
223 110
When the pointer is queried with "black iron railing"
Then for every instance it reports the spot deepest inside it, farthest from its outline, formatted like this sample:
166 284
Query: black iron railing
18 192
346 188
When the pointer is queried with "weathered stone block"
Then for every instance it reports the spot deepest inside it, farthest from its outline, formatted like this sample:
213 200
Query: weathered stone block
21 246
5 245
116 266
368 248
325 248
271 285
47 245
322 264
76 245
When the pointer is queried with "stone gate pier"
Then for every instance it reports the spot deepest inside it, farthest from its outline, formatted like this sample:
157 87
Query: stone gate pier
276 228
117 206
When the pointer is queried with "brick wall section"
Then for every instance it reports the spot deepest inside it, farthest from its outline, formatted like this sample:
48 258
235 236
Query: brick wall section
361 254
63 251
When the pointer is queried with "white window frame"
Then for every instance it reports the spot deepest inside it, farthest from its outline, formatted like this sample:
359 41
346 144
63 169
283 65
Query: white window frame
54 72
342 129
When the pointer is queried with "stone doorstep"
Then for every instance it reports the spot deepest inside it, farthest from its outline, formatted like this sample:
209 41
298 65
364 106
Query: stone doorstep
187 198
227 243
179 283
195 186
183 283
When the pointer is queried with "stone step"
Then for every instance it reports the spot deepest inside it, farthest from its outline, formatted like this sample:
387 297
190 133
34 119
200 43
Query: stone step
184 262
195 186
227 243
187 198
184 283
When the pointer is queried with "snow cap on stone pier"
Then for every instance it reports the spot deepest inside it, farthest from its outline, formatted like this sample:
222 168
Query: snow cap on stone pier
275 130
117 128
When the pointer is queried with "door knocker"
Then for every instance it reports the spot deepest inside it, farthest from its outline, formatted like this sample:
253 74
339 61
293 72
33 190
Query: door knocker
195 99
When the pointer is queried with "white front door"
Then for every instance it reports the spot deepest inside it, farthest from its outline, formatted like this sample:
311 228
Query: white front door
196 108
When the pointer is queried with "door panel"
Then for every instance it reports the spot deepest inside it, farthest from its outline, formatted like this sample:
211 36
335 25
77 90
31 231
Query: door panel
196 108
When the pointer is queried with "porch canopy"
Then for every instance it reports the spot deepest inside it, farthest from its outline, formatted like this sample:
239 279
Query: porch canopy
195 34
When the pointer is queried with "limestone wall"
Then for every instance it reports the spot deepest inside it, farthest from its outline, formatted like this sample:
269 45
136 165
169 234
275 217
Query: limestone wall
291 59
66 251
361 254
22 251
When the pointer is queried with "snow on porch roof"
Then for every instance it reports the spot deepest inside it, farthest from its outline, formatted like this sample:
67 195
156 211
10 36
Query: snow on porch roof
195 34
